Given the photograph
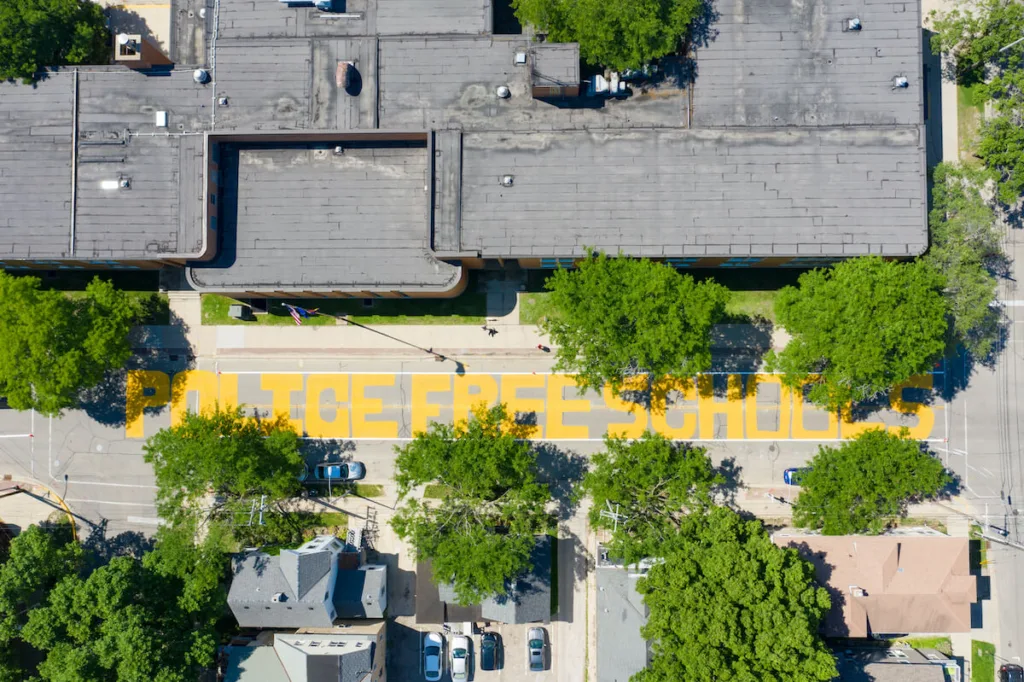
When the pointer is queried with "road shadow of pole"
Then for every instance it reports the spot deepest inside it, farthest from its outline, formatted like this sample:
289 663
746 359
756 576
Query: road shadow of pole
459 367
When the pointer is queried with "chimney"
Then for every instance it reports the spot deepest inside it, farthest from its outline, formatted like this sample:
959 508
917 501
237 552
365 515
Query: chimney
136 52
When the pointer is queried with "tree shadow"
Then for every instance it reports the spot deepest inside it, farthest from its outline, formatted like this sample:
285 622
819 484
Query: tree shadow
332 450
158 348
740 344
733 483
834 621
401 585
127 543
561 470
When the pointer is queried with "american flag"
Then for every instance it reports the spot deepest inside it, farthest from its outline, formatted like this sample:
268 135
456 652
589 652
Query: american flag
298 313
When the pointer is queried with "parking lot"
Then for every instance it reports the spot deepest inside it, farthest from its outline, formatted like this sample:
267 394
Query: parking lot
405 653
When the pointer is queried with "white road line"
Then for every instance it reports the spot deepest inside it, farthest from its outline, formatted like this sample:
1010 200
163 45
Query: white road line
118 504
492 373
76 481
145 520
1012 304
16 435
601 440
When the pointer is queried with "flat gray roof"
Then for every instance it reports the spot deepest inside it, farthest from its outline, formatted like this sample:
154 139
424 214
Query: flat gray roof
791 141
303 212
764 192
781 63
621 612
159 214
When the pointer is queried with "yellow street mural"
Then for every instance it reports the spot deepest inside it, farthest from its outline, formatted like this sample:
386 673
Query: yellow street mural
392 406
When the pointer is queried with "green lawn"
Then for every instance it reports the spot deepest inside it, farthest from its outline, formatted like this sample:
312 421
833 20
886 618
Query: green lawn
752 304
983 661
469 308
744 306
970 110
941 644
434 491
369 490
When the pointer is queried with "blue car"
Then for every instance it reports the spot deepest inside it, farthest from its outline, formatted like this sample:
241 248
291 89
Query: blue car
341 471
795 475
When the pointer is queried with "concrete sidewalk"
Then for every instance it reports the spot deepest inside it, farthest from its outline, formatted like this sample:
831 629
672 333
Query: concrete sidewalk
24 504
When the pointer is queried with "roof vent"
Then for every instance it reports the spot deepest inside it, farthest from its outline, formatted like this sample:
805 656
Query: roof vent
222 101
202 12
503 92
858 591
900 82
124 183
161 119
279 597
339 150
201 76
507 180
852 24
520 59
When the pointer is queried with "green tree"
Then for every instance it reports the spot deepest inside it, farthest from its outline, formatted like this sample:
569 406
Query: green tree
223 453
40 556
612 318
38 33
52 346
480 535
621 35
124 622
727 604
1001 147
865 483
860 328
653 482
966 249
974 32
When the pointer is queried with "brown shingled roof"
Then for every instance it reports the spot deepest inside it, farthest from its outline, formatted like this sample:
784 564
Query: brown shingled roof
891 584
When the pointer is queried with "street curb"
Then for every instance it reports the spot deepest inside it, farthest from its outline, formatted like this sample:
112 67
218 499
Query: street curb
450 353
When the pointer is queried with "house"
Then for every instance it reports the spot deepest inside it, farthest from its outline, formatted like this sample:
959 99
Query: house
425 146
528 599
876 664
621 649
355 654
890 584
311 586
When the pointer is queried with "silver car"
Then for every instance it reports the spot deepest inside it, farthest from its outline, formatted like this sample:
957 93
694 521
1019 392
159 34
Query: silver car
433 656
536 643
460 658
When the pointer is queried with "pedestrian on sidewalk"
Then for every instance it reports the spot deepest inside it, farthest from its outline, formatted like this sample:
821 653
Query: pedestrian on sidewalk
544 348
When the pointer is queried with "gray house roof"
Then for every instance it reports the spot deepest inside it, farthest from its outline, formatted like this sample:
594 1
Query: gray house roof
621 612
357 593
303 580
527 601
305 658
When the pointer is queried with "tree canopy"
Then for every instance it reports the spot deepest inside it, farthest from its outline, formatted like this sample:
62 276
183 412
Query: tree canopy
612 318
860 328
1001 145
973 33
38 33
129 620
966 250
52 347
223 453
865 483
481 534
621 35
652 482
727 604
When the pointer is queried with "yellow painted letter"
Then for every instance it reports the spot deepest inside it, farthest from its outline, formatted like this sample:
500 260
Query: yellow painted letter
136 400
558 406
424 411
510 385
633 429
282 386
486 392
659 408
316 425
731 407
363 407
924 413
782 413
203 382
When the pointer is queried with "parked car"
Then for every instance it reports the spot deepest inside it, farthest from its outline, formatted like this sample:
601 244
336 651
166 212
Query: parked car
1011 672
795 475
536 643
460 658
490 651
340 471
433 656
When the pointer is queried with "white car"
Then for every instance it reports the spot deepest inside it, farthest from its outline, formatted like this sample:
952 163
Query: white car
460 658
433 656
